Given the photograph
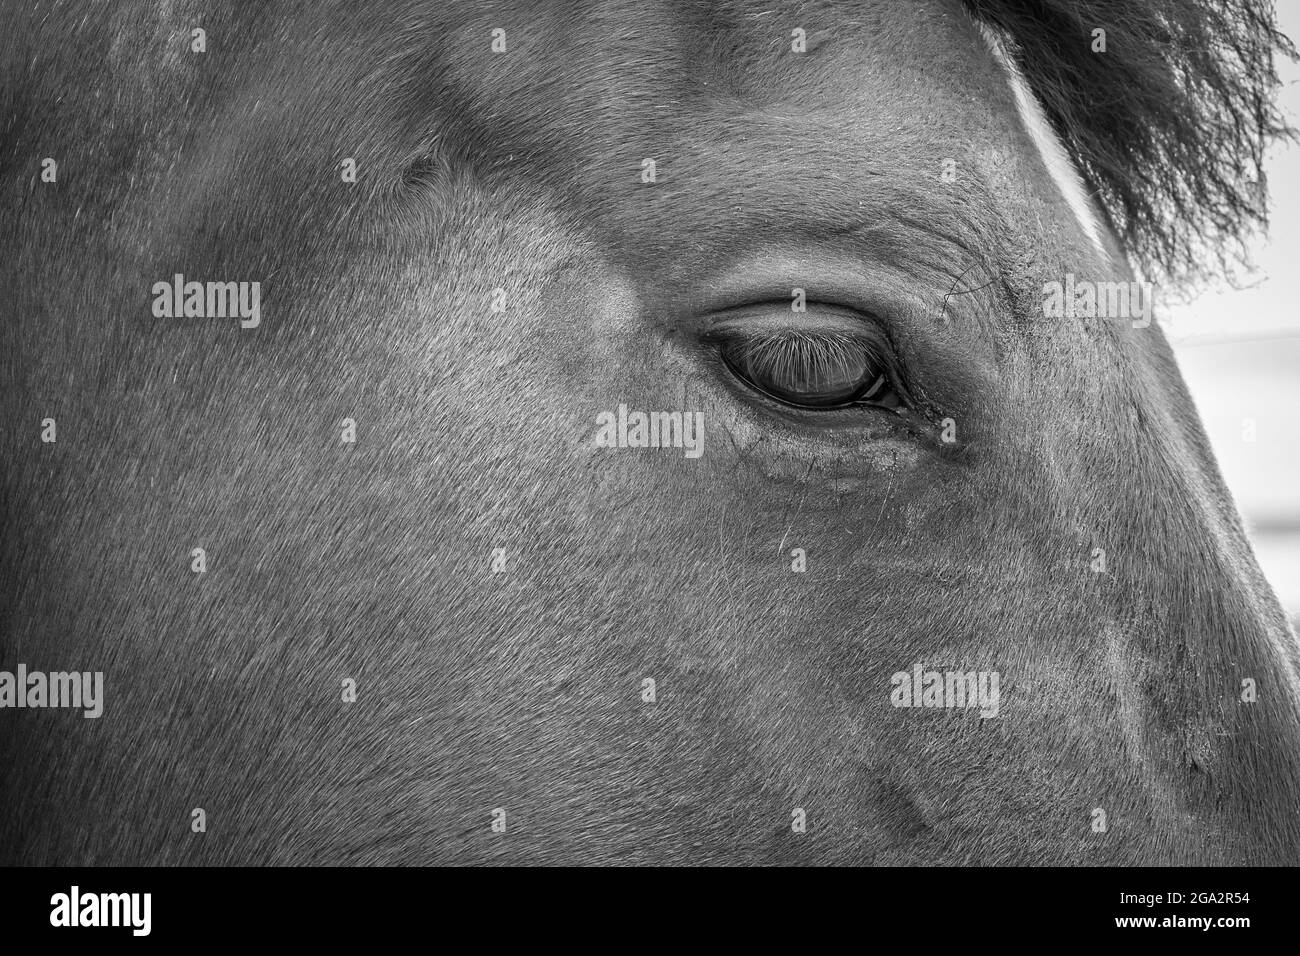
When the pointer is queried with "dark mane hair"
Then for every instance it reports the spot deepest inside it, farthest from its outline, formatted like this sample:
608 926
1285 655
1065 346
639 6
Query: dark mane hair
1169 125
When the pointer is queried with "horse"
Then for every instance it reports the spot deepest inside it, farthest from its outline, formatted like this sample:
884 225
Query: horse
600 432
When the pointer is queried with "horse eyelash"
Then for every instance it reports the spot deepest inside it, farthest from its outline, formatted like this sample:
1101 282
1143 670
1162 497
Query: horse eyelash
805 351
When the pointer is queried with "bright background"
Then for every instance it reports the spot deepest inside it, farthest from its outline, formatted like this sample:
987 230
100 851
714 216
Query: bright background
1240 354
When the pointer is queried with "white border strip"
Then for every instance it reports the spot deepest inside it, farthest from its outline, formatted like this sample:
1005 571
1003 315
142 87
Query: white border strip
1059 166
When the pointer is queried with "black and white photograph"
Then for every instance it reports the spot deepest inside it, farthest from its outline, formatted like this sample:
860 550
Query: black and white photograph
659 434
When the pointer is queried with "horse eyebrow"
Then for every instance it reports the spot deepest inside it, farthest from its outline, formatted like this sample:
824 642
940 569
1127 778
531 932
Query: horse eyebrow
964 233
1167 125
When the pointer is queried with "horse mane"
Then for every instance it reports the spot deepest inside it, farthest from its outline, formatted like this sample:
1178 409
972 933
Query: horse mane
1168 126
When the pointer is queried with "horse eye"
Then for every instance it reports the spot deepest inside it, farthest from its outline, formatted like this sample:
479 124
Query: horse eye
812 368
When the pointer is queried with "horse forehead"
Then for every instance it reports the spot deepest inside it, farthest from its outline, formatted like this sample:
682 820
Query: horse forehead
755 120
670 75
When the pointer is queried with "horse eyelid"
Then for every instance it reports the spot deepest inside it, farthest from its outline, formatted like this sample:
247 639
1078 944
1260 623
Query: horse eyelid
885 368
